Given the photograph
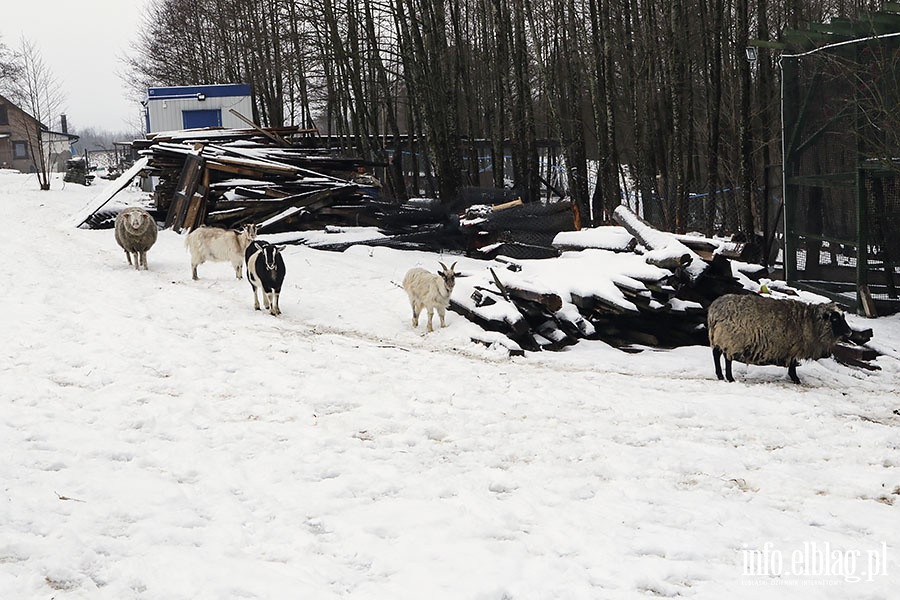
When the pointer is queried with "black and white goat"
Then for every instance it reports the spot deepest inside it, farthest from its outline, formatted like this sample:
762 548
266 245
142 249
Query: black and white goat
265 271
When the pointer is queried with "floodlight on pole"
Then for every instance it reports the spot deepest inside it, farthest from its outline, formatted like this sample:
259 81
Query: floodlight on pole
752 53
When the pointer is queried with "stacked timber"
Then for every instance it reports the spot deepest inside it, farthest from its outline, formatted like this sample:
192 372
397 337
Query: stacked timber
228 177
516 230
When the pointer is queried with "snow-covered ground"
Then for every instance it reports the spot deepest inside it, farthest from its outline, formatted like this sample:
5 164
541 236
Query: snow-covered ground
162 440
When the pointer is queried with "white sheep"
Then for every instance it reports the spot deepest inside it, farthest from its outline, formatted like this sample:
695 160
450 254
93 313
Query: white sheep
135 232
219 245
429 291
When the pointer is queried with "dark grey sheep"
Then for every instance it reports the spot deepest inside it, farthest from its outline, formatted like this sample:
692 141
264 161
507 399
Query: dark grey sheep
136 233
759 330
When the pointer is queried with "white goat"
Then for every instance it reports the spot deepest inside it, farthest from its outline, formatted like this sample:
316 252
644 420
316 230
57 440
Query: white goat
219 245
429 291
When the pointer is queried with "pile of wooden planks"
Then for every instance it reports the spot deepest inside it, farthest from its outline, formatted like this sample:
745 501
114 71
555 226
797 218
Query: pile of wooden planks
228 177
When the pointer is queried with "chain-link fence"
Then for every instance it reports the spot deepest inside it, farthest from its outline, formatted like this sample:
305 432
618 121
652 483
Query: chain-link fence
842 206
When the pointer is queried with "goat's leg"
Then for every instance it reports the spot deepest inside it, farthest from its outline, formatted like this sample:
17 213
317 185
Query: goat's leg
276 310
441 311
416 309
255 298
430 317
238 268
194 271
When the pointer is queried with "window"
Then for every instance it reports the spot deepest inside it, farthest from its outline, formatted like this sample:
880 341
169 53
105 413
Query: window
4 116
20 150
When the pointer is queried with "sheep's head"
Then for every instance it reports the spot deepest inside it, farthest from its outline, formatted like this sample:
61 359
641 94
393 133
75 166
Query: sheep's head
836 320
833 325
448 275
137 220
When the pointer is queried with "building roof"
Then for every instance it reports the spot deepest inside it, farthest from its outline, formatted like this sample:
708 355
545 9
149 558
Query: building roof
72 137
191 91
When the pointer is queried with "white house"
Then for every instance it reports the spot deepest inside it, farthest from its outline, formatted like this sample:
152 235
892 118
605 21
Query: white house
195 106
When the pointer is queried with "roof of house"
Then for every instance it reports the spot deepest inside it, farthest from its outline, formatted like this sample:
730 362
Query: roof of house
13 104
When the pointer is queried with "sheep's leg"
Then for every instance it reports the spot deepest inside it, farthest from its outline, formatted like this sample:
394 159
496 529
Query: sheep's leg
430 317
441 315
792 372
128 256
137 261
717 356
728 374
144 260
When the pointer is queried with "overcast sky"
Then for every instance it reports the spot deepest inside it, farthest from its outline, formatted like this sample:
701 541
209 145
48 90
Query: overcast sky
82 43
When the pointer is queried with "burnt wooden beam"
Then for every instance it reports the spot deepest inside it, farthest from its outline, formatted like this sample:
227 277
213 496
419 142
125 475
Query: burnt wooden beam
550 301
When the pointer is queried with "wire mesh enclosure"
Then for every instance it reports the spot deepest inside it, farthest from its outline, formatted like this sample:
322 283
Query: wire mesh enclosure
842 165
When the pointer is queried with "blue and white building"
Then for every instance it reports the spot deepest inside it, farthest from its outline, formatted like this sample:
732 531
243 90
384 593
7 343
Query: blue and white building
196 106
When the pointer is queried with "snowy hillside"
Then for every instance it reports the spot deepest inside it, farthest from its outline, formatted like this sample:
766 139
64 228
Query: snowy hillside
160 440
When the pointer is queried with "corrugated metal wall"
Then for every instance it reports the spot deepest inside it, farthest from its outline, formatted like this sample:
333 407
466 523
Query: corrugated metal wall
165 113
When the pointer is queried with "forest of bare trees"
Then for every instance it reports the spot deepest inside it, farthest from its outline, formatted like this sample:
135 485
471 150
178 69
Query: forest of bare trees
615 99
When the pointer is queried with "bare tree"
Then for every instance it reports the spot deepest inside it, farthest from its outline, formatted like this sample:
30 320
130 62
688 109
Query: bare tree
658 90
37 92
8 66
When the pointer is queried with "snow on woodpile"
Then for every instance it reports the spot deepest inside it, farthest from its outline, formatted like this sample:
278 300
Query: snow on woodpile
607 237
662 248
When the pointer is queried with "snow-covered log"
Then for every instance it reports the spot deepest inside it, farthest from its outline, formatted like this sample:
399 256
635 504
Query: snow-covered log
664 249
